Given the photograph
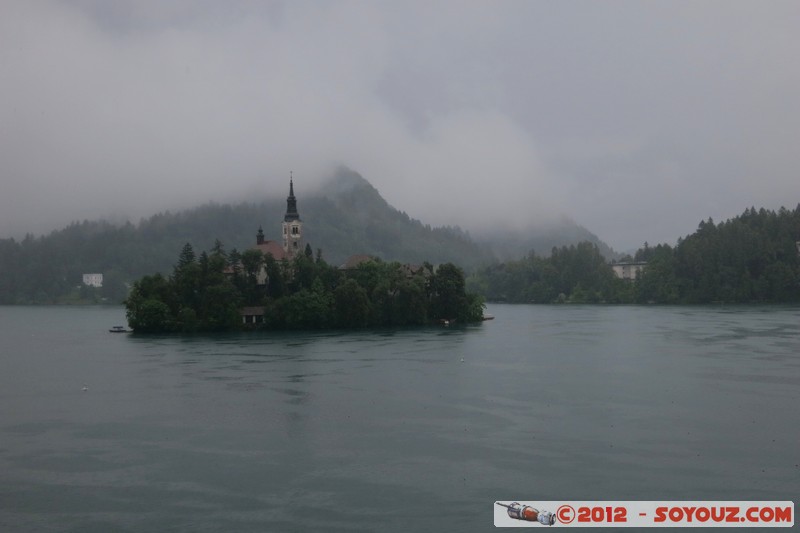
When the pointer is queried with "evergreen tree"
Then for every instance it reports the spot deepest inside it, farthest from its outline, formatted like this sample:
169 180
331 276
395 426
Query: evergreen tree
206 294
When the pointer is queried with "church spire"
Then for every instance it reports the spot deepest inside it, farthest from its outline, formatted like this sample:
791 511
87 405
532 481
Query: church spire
292 225
291 203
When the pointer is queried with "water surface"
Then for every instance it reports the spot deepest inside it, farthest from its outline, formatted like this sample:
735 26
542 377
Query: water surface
391 430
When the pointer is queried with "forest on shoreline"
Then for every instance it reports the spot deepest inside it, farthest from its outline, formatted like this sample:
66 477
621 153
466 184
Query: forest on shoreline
752 258
347 215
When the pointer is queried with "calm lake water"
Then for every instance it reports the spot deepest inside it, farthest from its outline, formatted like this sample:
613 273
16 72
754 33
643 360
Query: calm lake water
390 430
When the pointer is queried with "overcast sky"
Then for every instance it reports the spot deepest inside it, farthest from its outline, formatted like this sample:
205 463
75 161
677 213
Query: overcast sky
636 119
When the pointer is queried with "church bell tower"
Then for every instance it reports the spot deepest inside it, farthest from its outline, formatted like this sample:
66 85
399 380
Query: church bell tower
292 225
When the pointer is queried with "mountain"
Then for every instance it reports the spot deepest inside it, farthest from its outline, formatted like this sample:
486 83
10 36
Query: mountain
349 216
346 216
386 232
541 239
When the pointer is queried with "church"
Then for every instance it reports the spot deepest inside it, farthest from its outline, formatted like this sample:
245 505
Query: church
292 228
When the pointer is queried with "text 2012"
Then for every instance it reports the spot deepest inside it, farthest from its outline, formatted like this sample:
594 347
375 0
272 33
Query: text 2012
602 514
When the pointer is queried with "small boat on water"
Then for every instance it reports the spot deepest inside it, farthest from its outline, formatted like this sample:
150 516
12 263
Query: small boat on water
118 329
488 317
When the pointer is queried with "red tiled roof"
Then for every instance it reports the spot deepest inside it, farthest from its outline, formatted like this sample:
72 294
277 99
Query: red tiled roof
273 248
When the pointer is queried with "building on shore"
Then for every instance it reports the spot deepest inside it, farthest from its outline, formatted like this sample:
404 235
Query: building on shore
93 280
629 270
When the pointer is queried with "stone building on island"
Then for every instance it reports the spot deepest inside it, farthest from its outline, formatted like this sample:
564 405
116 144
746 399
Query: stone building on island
292 225
292 236
292 228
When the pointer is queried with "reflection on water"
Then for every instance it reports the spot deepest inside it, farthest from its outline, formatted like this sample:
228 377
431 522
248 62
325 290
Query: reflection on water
393 430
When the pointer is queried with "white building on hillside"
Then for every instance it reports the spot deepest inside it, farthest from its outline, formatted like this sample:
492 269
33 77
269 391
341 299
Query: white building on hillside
93 280
630 270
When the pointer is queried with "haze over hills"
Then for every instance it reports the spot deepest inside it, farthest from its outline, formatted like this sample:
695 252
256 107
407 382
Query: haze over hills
140 107
541 239
346 216
392 234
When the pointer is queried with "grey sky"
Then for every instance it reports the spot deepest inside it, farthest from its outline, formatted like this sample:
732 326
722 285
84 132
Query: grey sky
636 119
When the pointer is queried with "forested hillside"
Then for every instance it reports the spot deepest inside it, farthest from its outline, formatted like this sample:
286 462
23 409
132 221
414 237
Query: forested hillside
541 239
754 257
347 217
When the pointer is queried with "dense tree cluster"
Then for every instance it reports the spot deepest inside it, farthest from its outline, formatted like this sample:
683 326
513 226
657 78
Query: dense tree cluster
751 258
207 293
49 268
754 257
577 274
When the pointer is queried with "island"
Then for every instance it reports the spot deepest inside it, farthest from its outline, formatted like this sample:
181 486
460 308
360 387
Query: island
222 291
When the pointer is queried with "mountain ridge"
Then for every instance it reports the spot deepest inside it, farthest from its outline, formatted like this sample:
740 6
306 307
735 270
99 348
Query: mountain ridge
346 216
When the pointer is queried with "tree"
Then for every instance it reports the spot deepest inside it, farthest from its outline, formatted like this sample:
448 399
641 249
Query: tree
219 309
147 306
307 308
448 292
276 278
254 271
186 257
218 249
151 316
410 305
206 294
351 305
658 283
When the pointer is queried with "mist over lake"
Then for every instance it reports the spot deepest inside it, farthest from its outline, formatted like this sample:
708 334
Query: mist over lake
392 430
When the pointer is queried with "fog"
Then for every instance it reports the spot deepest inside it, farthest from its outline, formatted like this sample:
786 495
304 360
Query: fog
636 119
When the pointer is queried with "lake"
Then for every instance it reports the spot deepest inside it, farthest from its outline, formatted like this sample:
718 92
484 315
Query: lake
391 430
